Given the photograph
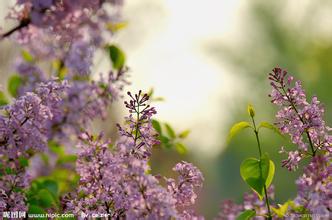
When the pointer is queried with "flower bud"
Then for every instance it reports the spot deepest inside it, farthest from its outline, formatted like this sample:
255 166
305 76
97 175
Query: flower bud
251 110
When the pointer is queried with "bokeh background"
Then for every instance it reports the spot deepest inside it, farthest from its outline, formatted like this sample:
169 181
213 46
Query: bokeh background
209 59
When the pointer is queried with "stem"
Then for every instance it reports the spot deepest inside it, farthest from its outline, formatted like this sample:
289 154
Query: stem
257 138
301 119
269 217
137 123
23 23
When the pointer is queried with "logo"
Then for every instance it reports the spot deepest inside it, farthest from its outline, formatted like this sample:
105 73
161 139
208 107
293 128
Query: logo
83 215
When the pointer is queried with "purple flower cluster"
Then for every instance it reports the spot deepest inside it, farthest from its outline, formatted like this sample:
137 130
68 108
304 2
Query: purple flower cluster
79 58
66 20
230 210
116 179
82 101
139 136
23 124
315 187
23 131
184 188
12 196
301 119
31 74
68 33
111 182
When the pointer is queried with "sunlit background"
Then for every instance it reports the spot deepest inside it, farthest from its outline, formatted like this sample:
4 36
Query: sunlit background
166 43
209 59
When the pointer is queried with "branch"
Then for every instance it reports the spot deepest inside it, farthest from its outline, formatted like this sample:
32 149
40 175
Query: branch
23 23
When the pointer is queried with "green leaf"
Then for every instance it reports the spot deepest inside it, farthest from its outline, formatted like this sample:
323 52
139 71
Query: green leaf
67 159
270 175
46 200
246 215
117 56
156 126
9 171
60 69
51 186
24 162
3 99
56 148
66 179
236 129
255 173
150 92
116 26
270 126
181 148
170 131
164 139
27 56
158 99
251 110
299 209
281 211
184 134
14 83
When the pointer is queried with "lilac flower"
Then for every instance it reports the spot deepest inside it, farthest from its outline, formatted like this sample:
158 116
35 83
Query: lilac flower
145 197
116 179
12 199
118 185
23 131
190 215
65 22
23 127
139 136
31 73
230 210
293 160
299 118
315 187
94 187
79 58
68 32
302 120
190 178
81 103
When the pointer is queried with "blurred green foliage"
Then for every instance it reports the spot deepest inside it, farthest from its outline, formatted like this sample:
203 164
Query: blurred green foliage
169 138
45 191
117 56
14 83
